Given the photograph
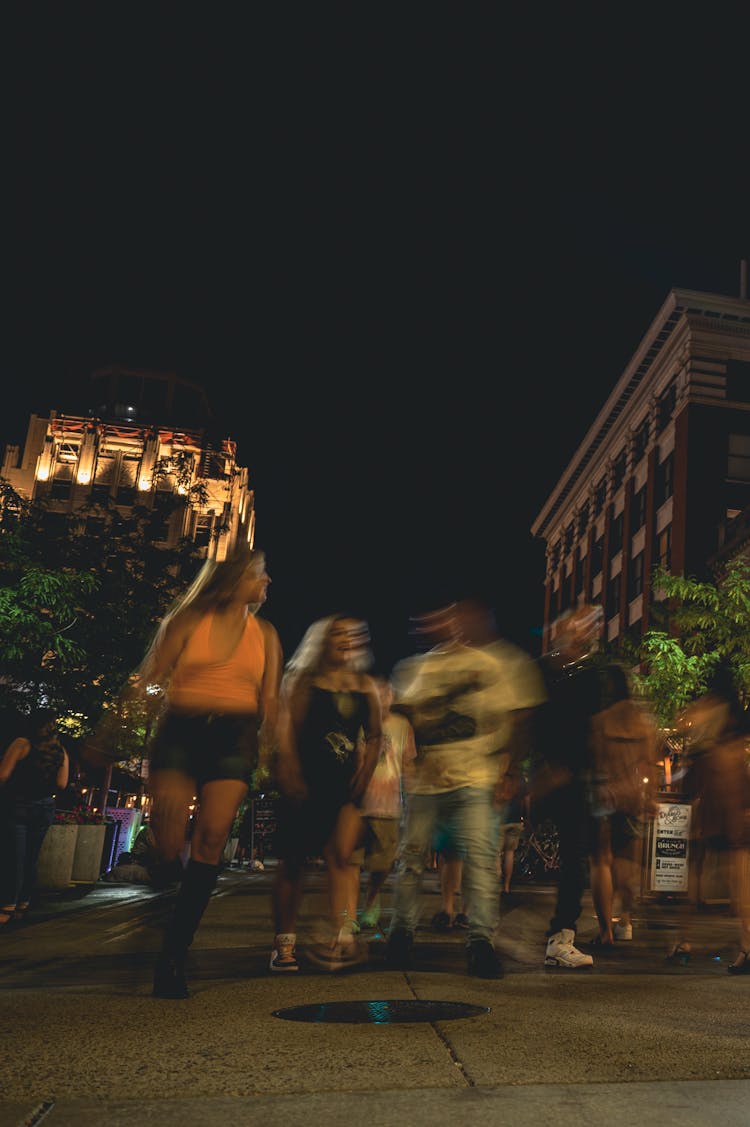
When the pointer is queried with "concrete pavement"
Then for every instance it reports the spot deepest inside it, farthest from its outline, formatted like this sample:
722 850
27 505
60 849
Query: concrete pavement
631 1038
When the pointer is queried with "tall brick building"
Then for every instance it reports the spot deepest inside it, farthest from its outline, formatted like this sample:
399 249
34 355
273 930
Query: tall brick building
663 468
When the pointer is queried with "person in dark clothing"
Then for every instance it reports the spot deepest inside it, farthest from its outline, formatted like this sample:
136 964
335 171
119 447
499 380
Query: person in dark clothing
34 766
560 773
328 749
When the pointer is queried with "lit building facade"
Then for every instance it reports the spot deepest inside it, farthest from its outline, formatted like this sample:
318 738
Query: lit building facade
663 467
143 437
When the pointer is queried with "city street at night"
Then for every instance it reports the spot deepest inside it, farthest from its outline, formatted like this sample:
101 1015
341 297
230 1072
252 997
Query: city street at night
634 1037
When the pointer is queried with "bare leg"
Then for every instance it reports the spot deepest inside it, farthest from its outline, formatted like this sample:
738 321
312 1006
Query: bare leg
451 871
602 886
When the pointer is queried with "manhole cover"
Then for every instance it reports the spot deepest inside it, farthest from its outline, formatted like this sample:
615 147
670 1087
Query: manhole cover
381 1012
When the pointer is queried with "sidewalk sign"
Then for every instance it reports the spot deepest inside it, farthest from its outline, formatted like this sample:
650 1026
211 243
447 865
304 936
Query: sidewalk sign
670 848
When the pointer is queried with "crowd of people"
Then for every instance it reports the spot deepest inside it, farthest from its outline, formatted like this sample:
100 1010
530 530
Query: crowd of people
448 754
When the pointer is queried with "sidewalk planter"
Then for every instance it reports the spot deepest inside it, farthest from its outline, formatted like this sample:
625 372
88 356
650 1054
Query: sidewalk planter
87 859
55 866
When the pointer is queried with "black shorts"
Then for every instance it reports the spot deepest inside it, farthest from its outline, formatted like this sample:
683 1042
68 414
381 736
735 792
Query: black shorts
206 747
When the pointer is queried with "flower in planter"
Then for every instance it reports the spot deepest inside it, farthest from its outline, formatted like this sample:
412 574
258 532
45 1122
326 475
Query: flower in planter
80 816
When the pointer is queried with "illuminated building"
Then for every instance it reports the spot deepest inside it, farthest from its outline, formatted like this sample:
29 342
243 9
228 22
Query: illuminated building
143 437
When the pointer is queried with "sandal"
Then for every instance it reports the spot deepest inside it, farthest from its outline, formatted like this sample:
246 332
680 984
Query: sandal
679 955
601 944
741 964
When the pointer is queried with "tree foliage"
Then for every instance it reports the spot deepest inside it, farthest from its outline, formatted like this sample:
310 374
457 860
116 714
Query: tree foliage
80 597
708 623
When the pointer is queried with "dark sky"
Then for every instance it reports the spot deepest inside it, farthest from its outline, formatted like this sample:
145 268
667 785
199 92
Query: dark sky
408 260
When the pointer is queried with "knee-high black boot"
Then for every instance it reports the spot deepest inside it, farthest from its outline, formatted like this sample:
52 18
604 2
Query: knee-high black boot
198 883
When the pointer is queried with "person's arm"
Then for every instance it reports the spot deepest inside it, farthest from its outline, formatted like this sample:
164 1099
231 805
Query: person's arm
162 659
270 688
63 772
293 701
373 738
409 761
17 750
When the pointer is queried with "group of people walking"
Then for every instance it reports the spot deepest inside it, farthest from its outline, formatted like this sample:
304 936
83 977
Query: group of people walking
374 768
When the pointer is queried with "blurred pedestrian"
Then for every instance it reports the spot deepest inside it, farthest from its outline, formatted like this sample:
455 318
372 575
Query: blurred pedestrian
459 705
560 777
383 805
328 748
218 664
33 769
717 781
625 742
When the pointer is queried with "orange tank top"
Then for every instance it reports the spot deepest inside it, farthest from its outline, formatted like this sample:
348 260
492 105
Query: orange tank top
202 683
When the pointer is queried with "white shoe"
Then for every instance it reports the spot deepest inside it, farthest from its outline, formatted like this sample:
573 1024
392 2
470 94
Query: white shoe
562 953
622 931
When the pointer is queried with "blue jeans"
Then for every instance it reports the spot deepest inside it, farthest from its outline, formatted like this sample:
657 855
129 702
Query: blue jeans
465 817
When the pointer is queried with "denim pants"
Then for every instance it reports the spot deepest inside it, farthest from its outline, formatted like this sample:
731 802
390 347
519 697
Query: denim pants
465 818
23 831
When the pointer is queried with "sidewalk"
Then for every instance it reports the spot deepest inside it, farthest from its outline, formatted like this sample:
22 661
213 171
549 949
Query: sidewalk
633 1038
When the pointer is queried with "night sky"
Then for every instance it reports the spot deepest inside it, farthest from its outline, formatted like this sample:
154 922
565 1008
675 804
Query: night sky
408 260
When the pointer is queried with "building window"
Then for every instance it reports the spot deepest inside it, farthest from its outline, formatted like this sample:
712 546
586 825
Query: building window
597 556
583 518
663 548
638 509
203 532
614 587
554 556
738 462
618 469
640 441
738 380
569 534
600 496
665 407
579 573
664 480
635 577
125 495
615 534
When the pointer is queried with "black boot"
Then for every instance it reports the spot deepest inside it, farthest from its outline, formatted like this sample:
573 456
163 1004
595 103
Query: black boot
169 977
197 885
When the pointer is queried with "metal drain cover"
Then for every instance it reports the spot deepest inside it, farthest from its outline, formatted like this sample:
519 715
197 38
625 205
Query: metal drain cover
381 1012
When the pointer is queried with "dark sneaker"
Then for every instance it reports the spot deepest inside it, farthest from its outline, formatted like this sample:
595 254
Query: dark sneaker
461 922
482 961
441 921
398 952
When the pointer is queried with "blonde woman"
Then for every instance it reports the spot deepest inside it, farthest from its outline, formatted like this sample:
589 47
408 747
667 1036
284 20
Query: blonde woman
219 667
329 745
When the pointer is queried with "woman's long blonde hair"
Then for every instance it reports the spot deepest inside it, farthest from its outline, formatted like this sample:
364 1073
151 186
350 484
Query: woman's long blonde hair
213 587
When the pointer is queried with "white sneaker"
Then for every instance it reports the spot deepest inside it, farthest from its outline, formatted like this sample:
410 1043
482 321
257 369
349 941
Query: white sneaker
622 931
562 953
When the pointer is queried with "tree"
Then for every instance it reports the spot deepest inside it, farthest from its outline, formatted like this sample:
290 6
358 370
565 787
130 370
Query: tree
80 596
709 622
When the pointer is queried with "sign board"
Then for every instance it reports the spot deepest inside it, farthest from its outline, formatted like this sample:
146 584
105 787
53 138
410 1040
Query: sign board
670 851
264 825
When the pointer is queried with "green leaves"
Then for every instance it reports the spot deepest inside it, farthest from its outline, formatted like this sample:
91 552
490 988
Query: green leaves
708 622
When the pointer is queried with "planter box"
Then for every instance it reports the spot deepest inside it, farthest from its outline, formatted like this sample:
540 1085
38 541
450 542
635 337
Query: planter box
55 865
87 860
